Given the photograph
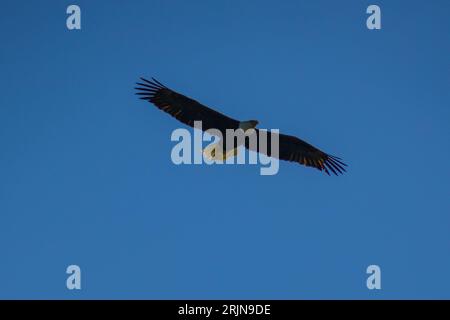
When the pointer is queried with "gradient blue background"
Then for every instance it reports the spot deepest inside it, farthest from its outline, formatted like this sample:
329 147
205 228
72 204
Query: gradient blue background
86 176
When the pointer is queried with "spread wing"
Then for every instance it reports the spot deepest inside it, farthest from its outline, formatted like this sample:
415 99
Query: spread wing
296 150
183 108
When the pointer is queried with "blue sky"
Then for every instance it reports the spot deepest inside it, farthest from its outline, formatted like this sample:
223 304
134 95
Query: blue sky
86 176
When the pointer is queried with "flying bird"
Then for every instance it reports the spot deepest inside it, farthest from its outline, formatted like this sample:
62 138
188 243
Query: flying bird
188 110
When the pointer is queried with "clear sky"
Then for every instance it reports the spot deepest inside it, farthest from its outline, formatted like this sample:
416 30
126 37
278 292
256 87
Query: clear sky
86 176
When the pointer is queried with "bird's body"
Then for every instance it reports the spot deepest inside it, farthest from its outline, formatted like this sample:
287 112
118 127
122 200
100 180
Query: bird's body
188 111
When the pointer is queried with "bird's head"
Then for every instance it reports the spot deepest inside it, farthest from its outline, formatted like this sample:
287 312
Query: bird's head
249 124
254 123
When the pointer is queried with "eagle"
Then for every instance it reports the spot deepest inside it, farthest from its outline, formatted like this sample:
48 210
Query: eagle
187 111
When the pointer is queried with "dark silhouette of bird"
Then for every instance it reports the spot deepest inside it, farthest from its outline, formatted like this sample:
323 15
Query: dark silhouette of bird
188 110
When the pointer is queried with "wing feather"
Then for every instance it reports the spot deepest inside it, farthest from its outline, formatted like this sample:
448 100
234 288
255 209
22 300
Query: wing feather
294 149
183 108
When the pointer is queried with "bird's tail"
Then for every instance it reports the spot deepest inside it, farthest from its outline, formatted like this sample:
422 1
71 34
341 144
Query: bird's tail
216 152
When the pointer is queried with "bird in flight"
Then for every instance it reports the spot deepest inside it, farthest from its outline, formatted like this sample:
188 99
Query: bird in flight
188 110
